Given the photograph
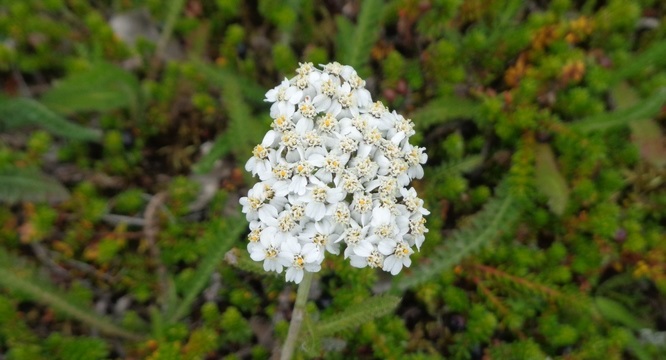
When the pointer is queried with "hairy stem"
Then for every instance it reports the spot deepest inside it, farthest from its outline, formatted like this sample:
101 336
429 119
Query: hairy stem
297 316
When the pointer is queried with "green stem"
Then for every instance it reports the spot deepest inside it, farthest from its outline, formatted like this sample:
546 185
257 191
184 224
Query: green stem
297 316
13 282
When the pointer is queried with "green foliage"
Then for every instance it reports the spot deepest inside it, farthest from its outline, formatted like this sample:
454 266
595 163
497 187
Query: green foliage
18 184
549 180
445 109
101 87
221 236
243 130
563 258
355 42
15 279
357 315
500 212
21 112
643 110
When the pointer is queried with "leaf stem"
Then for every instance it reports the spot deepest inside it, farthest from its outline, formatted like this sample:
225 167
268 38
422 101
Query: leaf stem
297 316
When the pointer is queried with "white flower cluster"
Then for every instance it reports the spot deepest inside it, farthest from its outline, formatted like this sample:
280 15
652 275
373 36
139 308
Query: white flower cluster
334 170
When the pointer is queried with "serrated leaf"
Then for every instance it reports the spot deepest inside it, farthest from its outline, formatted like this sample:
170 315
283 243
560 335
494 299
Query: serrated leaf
20 112
357 315
613 311
18 185
243 132
102 87
646 109
499 214
365 34
223 235
16 277
444 109
549 180
455 167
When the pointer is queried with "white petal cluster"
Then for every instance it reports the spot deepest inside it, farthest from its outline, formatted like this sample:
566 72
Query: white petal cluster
334 171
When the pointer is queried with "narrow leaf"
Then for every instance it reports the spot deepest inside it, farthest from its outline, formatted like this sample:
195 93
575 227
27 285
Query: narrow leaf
613 311
645 133
223 236
365 34
357 315
444 109
19 112
550 181
18 185
455 167
243 131
653 56
220 148
646 109
102 87
499 214
59 302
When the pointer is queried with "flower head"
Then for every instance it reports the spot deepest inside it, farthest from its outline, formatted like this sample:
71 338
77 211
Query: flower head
334 173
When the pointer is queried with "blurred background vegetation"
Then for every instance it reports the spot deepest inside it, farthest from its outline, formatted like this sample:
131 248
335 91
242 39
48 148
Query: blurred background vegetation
125 125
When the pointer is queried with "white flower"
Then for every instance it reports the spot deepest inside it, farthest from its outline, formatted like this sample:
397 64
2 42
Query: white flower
268 251
298 258
398 255
318 197
323 235
334 172
284 97
262 156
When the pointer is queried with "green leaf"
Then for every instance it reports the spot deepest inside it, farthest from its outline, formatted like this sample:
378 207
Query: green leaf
221 147
19 112
16 278
357 315
243 132
18 185
646 133
613 311
102 87
550 181
454 167
646 109
365 34
499 214
652 57
223 234
444 109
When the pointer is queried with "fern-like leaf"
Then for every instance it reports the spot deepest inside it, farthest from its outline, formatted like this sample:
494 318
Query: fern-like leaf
365 34
498 215
223 236
18 185
21 279
444 109
646 109
102 87
357 315
20 112
455 167
243 132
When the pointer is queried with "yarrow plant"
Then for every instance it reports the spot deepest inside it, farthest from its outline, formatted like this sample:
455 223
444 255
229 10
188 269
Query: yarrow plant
334 172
